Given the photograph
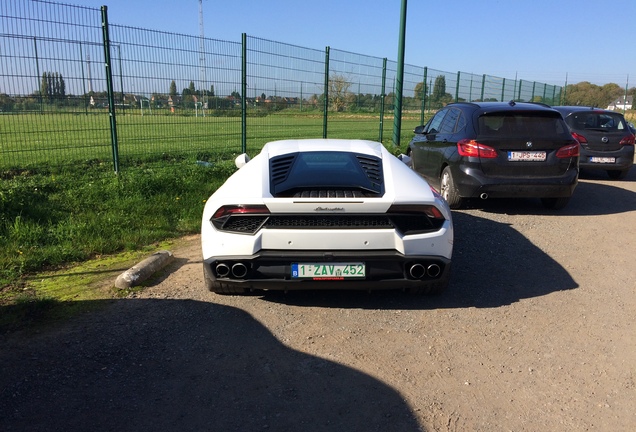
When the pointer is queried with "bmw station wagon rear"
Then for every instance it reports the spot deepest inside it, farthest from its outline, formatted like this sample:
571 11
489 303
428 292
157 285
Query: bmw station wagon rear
326 214
607 141
497 150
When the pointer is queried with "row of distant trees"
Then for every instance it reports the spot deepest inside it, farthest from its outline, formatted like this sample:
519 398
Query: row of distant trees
53 91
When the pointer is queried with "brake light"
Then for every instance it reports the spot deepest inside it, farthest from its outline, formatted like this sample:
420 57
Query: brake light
472 148
580 138
229 210
429 210
628 140
570 150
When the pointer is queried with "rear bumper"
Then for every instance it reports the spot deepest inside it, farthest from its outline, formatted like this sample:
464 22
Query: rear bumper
273 270
624 159
472 183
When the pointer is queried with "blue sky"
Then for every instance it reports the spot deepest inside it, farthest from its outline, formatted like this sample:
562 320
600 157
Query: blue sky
537 40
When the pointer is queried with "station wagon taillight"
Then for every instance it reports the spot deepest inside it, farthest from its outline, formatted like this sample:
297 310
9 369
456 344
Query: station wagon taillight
570 150
472 148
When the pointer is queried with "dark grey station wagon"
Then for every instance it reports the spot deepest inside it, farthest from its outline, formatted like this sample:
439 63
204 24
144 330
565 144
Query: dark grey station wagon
497 150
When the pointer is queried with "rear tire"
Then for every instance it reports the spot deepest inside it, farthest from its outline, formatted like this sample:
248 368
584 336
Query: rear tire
449 191
555 203
617 175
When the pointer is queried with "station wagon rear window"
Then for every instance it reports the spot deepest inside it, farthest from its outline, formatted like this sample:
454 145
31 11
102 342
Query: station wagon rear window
521 125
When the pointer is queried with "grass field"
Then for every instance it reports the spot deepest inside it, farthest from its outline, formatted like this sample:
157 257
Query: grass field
60 139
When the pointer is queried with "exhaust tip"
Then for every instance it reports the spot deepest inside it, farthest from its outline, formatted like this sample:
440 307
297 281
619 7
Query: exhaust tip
433 270
222 270
484 196
239 270
417 271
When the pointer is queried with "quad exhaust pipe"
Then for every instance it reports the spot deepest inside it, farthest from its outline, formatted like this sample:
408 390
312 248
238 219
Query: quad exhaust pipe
222 270
238 270
418 271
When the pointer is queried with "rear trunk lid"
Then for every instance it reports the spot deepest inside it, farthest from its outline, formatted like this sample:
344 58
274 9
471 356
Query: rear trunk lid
526 143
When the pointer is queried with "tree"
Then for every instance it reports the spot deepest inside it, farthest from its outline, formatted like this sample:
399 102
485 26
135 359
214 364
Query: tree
338 92
62 93
44 86
439 88
52 86
173 89
421 89
588 94
211 94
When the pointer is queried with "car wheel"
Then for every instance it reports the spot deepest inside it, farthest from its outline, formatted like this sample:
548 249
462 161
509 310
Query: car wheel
223 288
448 190
555 203
617 175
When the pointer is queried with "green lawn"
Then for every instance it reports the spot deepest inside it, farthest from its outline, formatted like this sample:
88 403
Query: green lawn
60 139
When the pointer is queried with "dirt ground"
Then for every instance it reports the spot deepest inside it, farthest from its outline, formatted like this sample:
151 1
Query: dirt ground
535 333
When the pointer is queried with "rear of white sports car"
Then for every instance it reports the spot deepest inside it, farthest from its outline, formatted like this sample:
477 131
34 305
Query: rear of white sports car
326 214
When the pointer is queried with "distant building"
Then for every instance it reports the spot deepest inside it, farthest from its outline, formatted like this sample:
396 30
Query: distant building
622 103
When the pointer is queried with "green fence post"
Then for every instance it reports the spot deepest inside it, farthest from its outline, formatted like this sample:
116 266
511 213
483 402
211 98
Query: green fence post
243 93
503 89
457 87
37 66
423 110
109 89
399 87
382 96
483 86
534 85
326 93
520 85
83 80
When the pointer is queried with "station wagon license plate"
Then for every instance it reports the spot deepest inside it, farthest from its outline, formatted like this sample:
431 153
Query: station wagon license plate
533 156
328 271
595 159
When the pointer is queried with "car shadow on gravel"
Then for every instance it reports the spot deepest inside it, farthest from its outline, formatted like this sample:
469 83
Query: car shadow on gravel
493 265
595 195
140 365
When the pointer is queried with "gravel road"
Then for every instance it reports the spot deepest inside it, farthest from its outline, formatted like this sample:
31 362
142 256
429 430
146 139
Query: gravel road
535 333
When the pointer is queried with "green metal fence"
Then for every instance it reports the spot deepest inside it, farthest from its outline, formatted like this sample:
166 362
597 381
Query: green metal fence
75 88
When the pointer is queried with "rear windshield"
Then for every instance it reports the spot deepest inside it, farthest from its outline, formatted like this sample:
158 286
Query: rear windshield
596 120
521 124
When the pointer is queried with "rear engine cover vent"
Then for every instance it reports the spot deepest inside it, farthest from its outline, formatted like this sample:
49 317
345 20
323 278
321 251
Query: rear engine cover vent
372 167
280 167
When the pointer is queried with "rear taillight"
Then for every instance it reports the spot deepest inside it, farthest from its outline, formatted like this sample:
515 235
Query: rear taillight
240 218
472 148
628 140
229 210
580 138
570 150
429 210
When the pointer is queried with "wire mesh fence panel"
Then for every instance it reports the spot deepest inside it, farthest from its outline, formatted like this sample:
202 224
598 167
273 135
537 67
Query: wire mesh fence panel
50 59
355 95
285 92
175 95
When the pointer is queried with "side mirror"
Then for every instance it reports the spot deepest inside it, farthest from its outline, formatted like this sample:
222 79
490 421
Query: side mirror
419 130
241 160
